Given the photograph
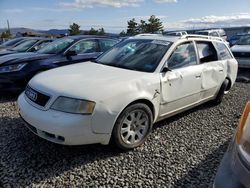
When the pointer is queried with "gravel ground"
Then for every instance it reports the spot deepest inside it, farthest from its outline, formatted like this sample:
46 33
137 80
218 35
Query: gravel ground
183 151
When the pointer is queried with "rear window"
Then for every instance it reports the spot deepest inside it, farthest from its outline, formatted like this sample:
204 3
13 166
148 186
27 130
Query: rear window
207 52
223 51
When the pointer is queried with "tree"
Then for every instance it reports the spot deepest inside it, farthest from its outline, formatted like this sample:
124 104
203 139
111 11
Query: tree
142 27
92 31
74 29
6 35
154 25
132 27
122 34
101 32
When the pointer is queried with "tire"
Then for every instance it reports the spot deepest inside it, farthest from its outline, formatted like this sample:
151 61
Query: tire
221 92
132 126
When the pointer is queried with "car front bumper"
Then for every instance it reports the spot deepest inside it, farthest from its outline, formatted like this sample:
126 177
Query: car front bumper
59 127
232 172
243 62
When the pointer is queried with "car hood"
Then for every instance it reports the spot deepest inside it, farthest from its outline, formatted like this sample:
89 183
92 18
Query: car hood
88 80
241 48
22 57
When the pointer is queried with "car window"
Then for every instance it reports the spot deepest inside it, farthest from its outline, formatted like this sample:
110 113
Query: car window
136 54
12 41
85 46
40 45
184 55
106 44
57 46
223 51
206 52
214 34
25 45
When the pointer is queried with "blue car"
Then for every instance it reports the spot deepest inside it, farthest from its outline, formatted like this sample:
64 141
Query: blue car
17 69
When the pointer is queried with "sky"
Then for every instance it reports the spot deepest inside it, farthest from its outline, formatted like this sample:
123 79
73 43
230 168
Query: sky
113 15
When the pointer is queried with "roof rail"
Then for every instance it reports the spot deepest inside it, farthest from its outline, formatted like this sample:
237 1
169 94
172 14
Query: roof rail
201 36
148 34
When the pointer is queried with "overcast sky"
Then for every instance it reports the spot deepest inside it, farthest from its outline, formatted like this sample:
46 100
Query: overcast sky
113 14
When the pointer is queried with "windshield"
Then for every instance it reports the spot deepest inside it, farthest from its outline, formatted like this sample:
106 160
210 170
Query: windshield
140 55
245 40
56 47
24 46
12 42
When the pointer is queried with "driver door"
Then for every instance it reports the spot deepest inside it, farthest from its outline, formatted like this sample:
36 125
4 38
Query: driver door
181 87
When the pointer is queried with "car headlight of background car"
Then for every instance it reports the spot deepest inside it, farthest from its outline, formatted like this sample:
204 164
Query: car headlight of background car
76 106
243 134
12 68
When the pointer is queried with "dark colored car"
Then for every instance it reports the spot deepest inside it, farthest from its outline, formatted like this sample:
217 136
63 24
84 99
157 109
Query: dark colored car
12 43
17 69
28 45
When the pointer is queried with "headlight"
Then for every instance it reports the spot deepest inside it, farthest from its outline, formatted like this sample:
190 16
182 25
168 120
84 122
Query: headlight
243 133
12 68
76 106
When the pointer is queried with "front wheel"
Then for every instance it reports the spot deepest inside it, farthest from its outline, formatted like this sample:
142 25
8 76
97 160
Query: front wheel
133 126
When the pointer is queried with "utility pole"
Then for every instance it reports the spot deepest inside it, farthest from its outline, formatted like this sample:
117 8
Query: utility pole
8 24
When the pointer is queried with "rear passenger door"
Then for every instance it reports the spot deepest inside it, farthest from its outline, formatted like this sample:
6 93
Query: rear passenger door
213 71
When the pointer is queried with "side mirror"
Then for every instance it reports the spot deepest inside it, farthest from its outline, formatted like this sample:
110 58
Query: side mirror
165 69
70 53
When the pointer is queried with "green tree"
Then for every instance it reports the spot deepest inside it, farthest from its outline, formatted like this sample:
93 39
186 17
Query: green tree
132 28
92 31
74 29
101 31
154 25
6 35
142 27
122 34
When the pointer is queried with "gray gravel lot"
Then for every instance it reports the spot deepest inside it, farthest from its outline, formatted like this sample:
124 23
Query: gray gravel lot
183 151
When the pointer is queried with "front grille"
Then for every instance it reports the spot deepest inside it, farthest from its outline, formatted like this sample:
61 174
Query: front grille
36 96
241 54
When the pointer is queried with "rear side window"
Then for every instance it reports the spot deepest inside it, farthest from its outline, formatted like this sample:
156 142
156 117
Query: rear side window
223 51
106 44
207 52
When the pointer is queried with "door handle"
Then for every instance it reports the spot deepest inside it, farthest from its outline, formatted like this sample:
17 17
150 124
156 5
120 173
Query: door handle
198 76
221 70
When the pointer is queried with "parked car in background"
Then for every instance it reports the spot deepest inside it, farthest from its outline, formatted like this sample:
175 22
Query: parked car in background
32 44
121 94
213 32
235 38
175 33
12 43
17 69
241 51
234 170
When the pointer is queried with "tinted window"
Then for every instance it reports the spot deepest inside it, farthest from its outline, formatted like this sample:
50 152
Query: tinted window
207 52
214 34
136 54
39 45
25 45
106 44
57 46
223 51
184 55
12 42
244 40
85 46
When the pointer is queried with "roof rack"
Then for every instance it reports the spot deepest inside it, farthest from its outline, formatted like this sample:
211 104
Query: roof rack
201 36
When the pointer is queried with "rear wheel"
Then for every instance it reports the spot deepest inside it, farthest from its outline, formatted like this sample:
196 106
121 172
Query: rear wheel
133 126
221 92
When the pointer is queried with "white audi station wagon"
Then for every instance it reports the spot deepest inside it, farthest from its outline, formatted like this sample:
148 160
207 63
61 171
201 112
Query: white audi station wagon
121 95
